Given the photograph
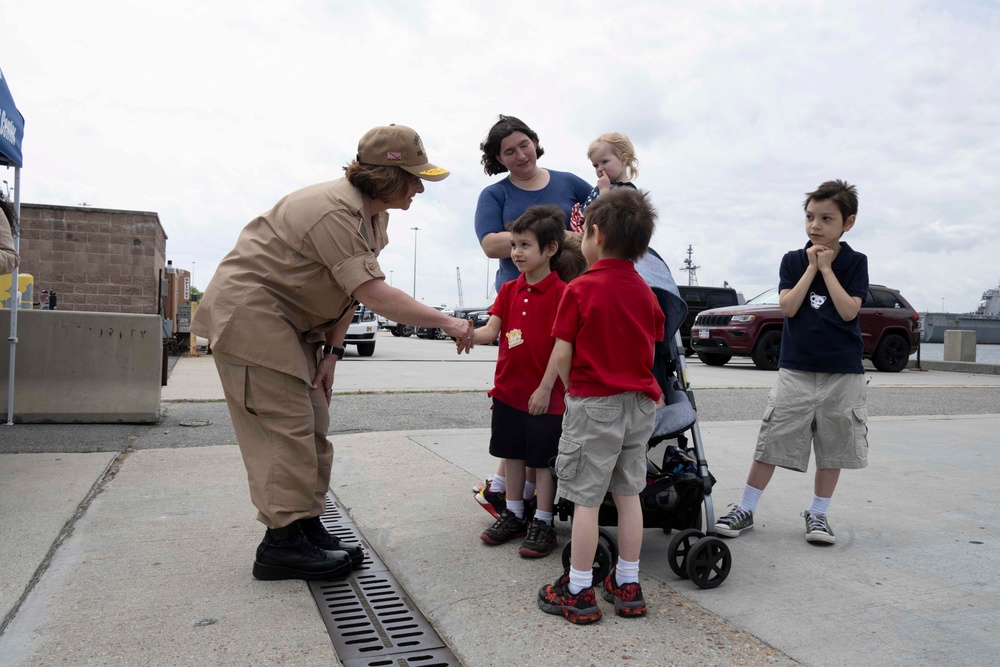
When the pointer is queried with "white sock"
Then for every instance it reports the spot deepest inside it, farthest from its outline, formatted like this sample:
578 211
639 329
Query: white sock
750 498
516 508
498 484
580 580
541 515
529 490
819 505
626 572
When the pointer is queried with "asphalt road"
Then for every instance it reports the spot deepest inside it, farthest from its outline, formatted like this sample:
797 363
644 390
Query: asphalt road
201 423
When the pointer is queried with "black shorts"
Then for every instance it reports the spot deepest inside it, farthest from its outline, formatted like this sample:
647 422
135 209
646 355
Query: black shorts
533 439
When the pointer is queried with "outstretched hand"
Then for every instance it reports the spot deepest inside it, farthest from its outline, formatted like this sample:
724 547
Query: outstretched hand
461 330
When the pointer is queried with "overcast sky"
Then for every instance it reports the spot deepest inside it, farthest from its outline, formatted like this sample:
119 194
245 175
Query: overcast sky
209 112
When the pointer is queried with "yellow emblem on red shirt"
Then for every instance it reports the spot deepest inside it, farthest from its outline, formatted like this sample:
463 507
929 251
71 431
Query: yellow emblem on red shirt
514 338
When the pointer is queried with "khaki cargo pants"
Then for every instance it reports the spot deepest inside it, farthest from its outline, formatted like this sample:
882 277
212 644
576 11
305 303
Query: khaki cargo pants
281 425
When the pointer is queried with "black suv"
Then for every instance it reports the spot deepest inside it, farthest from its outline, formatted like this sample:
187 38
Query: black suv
699 299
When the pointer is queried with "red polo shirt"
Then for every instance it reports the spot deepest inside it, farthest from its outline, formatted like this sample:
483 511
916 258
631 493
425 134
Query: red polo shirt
613 320
526 313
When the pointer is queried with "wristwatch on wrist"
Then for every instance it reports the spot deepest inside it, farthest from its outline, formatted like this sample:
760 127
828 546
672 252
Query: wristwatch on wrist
336 351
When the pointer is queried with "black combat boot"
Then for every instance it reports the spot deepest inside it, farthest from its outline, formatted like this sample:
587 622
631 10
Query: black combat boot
285 553
316 532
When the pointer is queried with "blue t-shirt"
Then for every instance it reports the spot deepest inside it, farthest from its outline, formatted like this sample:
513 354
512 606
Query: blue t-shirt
818 339
503 202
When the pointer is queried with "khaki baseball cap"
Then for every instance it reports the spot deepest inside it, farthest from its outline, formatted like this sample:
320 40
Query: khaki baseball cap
398 146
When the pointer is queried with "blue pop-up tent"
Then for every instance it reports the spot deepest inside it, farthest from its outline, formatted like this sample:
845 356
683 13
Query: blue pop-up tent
11 138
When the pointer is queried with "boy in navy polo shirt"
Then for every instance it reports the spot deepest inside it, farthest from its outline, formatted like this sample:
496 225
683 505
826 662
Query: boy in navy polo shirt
605 331
818 401
526 420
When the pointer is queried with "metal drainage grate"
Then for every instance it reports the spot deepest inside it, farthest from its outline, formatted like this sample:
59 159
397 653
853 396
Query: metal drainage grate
370 619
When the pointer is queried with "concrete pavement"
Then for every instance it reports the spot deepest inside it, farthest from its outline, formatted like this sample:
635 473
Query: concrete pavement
142 556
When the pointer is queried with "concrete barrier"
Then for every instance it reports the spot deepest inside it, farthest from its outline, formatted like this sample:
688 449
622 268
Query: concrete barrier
956 367
959 345
82 367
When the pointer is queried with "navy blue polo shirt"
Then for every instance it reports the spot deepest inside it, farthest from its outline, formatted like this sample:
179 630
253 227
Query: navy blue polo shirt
817 339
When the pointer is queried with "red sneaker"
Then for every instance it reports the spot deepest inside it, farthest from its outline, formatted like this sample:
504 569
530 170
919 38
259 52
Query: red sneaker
494 502
580 608
627 597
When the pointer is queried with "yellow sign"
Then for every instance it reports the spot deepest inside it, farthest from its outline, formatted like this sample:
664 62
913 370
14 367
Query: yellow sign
25 285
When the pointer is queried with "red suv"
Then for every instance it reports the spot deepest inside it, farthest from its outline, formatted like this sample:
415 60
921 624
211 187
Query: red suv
889 329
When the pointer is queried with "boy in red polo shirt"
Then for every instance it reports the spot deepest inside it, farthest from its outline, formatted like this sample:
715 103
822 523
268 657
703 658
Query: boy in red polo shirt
605 329
526 422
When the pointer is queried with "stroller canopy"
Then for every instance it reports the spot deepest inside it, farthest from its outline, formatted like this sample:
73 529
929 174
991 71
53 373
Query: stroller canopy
657 275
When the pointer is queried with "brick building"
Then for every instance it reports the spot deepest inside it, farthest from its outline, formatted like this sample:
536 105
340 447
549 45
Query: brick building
95 259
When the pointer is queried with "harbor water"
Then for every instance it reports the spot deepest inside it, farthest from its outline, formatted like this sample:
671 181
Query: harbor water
985 354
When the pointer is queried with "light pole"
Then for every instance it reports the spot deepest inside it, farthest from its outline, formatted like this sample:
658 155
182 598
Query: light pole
390 277
415 230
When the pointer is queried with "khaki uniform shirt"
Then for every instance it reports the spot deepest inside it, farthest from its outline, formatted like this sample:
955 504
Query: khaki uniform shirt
291 276
8 258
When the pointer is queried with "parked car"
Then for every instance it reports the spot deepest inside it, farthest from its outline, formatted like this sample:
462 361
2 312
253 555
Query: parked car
397 329
890 330
479 315
361 332
702 298
433 332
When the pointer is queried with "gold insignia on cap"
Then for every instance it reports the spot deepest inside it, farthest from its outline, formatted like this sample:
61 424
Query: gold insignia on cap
436 171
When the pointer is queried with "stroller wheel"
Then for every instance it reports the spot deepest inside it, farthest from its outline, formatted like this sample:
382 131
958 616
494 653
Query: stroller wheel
602 561
709 562
680 547
609 541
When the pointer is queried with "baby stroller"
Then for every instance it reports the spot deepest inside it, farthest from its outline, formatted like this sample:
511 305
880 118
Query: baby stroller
679 483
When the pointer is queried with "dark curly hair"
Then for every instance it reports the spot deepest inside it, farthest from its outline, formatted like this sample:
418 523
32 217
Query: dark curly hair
503 128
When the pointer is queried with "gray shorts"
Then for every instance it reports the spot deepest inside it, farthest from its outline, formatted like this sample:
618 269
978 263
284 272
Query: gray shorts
603 447
822 411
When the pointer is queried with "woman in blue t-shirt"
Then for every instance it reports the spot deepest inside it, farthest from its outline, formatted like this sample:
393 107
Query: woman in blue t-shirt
511 146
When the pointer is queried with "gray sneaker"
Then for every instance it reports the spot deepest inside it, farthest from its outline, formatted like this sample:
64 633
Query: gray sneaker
818 528
735 523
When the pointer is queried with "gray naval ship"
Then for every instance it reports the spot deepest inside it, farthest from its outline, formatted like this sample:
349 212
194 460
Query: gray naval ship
985 321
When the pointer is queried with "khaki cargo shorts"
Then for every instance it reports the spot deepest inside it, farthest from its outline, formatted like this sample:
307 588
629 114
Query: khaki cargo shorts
822 411
603 447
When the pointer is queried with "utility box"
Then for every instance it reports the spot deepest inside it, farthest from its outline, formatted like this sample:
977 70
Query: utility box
178 294
184 318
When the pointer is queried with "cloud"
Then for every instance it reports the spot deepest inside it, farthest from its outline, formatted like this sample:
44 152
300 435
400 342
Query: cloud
208 113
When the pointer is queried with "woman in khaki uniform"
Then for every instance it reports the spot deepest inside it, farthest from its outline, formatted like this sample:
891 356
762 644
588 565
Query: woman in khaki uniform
276 313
